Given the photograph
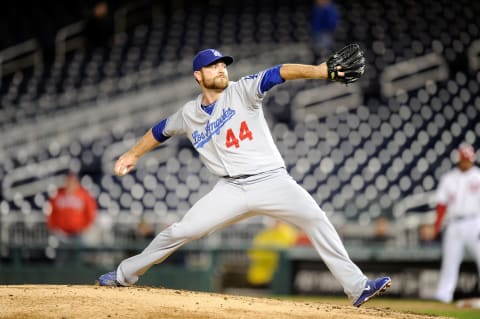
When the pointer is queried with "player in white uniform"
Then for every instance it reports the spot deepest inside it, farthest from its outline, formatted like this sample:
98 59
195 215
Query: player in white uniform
458 202
227 127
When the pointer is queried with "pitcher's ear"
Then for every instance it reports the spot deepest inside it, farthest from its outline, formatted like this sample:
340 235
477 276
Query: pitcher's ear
197 75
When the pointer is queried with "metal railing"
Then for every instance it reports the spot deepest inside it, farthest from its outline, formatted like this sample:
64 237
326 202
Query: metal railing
413 74
69 38
410 218
20 56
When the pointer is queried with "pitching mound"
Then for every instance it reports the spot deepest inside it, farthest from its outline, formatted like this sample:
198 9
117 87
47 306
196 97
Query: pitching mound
93 302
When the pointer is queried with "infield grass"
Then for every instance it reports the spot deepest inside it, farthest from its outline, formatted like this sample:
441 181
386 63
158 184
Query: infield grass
402 305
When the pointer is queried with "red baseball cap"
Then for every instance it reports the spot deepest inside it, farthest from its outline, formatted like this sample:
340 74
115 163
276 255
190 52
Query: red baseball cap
466 153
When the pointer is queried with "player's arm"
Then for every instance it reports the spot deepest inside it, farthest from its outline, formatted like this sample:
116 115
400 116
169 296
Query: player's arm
282 72
346 65
128 160
302 71
159 133
442 205
441 210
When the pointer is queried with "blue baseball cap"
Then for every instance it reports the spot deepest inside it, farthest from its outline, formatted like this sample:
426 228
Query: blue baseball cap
209 56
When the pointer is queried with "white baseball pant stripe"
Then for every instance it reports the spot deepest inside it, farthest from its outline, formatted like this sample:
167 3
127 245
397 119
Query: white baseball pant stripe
273 193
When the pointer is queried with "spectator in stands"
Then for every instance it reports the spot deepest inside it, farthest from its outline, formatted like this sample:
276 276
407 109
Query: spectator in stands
458 202
426 235
382 232
99 25
72 212
145 230
264 254
325 19
303 240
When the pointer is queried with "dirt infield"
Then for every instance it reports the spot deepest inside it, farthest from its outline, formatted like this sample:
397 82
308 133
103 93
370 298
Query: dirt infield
93 302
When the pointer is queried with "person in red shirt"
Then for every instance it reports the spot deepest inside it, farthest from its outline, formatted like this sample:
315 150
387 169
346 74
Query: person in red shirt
73 211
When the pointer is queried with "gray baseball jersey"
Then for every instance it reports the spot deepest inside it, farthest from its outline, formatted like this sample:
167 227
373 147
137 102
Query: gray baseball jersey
235 135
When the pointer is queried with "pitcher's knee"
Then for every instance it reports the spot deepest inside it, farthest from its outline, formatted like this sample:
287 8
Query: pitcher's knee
182 231
315 215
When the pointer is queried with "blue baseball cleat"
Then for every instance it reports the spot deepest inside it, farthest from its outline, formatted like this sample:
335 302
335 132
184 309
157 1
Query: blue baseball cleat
373 288
109 279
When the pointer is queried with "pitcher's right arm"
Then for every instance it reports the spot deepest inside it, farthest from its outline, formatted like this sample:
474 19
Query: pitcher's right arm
129 159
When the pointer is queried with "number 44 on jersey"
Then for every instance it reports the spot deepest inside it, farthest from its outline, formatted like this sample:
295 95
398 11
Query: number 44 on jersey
245 133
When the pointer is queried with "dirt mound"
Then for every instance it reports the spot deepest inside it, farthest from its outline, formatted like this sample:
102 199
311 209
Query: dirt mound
93 302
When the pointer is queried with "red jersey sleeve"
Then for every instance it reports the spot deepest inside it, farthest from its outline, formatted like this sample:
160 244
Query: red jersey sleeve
441 210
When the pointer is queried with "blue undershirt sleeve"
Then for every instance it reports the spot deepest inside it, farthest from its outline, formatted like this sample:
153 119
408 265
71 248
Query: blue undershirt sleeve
157 131
271 78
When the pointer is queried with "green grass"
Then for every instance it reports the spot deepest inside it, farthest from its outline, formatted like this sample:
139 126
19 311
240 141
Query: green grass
402 305
461 314
428 307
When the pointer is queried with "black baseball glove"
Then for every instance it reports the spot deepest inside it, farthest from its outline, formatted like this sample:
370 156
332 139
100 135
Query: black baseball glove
351 59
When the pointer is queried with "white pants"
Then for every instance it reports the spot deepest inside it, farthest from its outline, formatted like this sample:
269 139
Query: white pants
458 236
273 193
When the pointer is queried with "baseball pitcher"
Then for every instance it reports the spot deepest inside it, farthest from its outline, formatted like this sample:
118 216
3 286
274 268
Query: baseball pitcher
227 127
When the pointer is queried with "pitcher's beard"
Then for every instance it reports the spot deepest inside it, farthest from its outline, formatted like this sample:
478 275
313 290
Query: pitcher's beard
217 84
